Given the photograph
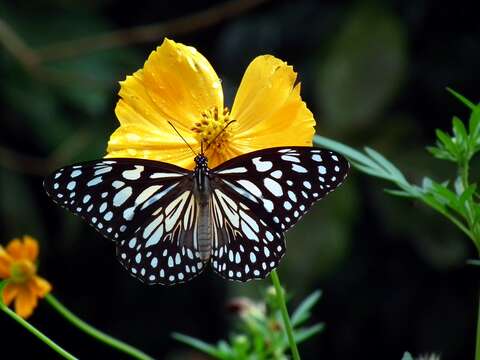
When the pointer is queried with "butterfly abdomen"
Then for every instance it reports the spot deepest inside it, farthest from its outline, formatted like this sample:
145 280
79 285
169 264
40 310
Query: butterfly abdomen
202 192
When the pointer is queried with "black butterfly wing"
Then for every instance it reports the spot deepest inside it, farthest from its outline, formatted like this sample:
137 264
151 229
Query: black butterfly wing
274 187
127 200
244 245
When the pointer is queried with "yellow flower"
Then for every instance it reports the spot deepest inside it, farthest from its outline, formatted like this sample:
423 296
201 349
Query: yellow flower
17 264
179 85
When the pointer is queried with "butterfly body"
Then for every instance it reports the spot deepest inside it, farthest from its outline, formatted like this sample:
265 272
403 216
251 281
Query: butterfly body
202 194
168 222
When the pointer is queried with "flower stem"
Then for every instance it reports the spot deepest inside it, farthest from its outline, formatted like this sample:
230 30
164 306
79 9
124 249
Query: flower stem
286 317
97 334
37 333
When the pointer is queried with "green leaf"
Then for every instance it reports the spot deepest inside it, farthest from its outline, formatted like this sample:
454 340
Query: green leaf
467 194
387 165
440 153
474 129
199 345
302 312
461 139
306 333
447 142
3 283
407 356
462 98
380 173
400 193
352 154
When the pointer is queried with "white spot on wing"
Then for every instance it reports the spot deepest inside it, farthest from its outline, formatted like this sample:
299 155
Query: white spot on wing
122 196
260 165
273 186
133 174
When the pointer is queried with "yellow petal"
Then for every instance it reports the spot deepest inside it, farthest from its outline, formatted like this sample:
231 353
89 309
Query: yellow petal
25 302
177 84
30 248
292 124
5 262
265 87
40 286
10 291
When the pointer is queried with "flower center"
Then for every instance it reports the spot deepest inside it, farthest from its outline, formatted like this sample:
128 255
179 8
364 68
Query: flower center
22 270
211 131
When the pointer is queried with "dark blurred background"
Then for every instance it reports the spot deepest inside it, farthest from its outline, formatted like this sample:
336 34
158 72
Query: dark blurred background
374 73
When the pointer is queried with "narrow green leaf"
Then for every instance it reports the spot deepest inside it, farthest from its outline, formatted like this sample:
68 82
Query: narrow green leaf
302 312
440 153
306 333
3 283
380 173
447 142
462 98
459 128
467 194
386 164
199 345
442 193
461 137
350 153
407 356
474 129
400 193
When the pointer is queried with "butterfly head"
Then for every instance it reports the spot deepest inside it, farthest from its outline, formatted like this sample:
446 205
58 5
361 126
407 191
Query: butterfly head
201 161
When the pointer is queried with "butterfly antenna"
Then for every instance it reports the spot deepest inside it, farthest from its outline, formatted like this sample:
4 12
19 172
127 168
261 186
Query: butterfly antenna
185 141
215 138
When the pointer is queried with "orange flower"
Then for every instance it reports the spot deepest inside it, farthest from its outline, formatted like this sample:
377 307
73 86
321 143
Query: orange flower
179 85
17 264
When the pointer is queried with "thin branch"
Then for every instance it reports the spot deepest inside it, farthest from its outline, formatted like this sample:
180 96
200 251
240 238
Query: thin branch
146 33
16 46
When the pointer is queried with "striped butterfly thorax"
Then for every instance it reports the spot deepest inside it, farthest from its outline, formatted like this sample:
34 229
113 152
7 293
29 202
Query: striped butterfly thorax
168 222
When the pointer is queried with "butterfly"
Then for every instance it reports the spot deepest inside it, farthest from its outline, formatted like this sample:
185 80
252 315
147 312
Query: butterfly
168 222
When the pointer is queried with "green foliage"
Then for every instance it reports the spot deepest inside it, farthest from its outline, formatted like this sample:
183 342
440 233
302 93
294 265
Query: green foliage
456 198
259 333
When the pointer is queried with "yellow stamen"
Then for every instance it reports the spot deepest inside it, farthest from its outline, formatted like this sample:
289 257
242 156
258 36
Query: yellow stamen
22 270
211 128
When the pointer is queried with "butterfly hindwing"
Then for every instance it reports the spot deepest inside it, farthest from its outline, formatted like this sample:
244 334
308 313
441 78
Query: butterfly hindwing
244 246
163 251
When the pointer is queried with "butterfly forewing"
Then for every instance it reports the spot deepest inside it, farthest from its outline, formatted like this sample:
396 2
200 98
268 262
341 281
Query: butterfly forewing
139 204
260 195
284 182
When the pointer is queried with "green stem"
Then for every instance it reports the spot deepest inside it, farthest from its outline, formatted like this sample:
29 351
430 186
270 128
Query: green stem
97 334
37 333
286 317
